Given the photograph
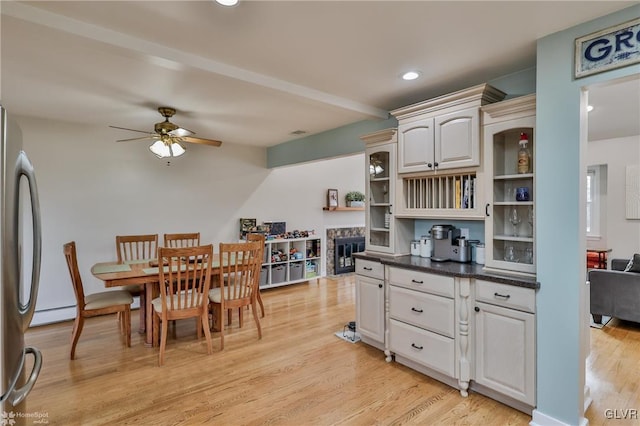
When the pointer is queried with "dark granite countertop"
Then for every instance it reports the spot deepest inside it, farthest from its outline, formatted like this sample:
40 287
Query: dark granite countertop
451 268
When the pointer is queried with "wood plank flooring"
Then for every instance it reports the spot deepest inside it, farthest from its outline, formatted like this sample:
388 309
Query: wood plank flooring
300 373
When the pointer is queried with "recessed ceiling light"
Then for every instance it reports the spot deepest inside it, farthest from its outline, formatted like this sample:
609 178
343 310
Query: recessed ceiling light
589 108
410 75
227 2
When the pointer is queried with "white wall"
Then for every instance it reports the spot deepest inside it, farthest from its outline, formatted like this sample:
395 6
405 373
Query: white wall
92 189
620 234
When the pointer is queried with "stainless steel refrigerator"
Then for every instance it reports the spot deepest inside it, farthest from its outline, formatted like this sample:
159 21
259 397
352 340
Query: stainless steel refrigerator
19 271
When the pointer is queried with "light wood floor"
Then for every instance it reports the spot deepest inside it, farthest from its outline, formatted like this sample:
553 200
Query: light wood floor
300 373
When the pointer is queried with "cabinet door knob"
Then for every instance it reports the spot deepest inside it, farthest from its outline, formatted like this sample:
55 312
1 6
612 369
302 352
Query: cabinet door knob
435 164
476 309
429 165
379 285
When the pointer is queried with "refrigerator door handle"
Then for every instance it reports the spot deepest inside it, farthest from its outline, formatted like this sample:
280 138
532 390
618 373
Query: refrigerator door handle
16 396
24 168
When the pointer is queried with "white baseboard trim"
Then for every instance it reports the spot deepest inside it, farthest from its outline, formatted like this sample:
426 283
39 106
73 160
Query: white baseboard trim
540 419
53 315
66 313
587 398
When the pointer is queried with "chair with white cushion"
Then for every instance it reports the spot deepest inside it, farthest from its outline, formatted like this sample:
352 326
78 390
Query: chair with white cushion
91 305
184 288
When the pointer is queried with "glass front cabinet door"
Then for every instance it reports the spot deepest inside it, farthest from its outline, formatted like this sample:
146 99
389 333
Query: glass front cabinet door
380 178
510 223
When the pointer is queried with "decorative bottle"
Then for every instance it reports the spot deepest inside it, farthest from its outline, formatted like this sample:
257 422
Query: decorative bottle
524 158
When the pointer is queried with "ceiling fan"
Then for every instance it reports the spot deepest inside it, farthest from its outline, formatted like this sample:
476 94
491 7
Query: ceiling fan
168 136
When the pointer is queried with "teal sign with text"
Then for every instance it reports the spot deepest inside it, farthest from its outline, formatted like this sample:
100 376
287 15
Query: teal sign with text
611 48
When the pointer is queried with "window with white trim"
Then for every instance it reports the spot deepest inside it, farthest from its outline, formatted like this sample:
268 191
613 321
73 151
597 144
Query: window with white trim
593 201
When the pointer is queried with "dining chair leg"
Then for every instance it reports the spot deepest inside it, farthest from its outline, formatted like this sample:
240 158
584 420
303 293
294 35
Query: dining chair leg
240 317
143 313
156 330
257 320
207 334
163 340
260 302
75 334
127 325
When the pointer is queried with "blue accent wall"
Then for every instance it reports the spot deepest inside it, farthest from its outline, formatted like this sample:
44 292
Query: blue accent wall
345 140
560 169
338 142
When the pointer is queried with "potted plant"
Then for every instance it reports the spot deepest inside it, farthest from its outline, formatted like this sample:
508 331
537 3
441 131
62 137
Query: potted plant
355 199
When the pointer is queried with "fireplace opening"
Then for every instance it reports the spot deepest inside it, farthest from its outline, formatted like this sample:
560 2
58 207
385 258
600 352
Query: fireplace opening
343 252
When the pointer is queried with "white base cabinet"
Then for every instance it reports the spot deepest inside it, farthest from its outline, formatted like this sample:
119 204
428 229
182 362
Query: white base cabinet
370 302
505 340
421 319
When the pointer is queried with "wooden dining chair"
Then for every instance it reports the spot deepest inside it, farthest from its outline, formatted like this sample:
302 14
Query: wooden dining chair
191 239
253 236
91 305
239 275
133 248
184 289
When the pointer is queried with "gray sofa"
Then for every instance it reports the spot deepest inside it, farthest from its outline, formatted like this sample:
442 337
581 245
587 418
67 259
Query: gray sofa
615 293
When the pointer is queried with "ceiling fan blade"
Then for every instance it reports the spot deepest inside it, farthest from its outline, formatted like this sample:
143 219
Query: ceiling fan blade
181 132
210 142
132 130
151 136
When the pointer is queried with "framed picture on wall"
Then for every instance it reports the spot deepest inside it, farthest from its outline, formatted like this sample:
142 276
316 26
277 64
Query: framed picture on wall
332 198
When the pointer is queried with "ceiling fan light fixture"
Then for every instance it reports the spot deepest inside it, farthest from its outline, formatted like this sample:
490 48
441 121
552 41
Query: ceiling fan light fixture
176 149
164 150
227 2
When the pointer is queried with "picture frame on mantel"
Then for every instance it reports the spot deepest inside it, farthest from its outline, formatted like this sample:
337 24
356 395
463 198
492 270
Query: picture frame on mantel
332 198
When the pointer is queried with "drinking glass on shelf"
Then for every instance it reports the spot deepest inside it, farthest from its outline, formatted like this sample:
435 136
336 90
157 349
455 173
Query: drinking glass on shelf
528 255
510 254
530 218
508 192
515 220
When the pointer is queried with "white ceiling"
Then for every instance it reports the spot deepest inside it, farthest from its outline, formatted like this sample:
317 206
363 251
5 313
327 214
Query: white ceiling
254 73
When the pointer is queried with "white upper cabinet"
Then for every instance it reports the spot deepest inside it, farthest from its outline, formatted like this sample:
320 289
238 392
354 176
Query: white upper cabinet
444 132
416 153
457 139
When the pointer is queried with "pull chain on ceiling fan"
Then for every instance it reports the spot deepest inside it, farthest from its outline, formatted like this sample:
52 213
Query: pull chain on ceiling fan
168 136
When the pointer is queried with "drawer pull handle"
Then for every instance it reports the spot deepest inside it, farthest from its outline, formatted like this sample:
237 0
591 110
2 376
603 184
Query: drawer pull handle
417 310
417 282
367 269
504 296
413 345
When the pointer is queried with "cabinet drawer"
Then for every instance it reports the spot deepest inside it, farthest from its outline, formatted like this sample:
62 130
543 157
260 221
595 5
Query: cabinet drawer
434 313
521 298
429 349
421 281
369 268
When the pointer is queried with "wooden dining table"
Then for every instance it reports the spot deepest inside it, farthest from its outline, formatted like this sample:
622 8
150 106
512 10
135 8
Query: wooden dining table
141 272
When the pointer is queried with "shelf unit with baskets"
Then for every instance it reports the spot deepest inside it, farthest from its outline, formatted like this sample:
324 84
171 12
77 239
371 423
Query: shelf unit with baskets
290 261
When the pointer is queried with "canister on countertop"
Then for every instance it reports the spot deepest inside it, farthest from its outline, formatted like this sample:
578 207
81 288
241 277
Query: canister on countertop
415 248
426 246
480 254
